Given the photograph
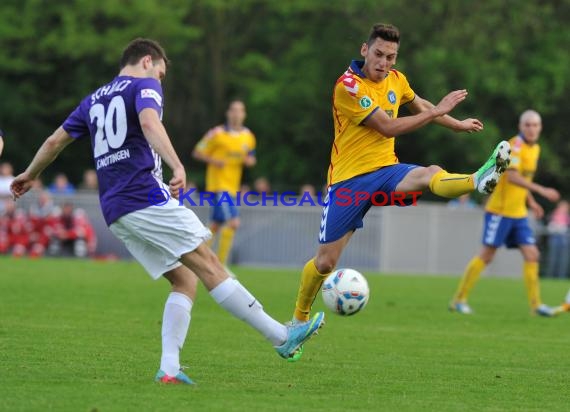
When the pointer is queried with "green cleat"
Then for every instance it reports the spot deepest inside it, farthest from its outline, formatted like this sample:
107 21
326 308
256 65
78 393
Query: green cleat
487 177
297 355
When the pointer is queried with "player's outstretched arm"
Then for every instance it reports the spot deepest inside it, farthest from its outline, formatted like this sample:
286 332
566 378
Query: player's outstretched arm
419 105
156 135
534 206
516 178
46 154
387 126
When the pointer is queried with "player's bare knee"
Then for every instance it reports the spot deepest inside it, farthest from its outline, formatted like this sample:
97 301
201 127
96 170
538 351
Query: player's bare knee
433 169
486 259
325 263
531 255
187 288
487 255
182 280
427 173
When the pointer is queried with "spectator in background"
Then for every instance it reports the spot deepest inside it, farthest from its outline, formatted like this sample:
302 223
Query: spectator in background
190 184
22 234
245 188
37 185
43 221
86 239
1 141
261 185
6 177
558 241
61 185
309 189
307 195
73 234
6 212
462 202
90 182
19 229
43 207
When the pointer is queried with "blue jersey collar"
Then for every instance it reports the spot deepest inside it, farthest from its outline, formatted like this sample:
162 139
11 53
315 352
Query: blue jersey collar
228 130
523 138
356 67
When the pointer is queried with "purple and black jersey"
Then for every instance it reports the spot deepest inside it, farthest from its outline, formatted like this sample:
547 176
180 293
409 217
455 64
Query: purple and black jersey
127 167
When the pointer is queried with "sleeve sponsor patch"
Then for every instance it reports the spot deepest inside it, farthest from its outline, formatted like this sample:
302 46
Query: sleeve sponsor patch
152 94
365 102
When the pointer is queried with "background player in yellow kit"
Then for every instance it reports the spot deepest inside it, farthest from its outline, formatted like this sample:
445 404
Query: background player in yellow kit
366 100
226 149
506 220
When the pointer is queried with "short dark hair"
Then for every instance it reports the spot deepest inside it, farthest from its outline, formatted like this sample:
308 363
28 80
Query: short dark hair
138 48
384 31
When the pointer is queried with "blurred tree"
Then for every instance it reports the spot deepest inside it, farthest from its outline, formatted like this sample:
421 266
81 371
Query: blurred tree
283 59
55 52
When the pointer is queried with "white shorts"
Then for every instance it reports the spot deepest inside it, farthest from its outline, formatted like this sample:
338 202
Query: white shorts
157 236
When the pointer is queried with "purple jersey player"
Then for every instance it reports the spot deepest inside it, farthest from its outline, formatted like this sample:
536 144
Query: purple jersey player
123 120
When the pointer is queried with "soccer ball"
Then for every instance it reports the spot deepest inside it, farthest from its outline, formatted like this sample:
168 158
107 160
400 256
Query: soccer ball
345 292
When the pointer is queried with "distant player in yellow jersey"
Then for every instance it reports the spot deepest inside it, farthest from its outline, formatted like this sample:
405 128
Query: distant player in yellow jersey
226 149
366 100
506 221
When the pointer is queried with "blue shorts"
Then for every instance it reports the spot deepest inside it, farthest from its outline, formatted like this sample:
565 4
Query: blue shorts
346 203
224 210
499 230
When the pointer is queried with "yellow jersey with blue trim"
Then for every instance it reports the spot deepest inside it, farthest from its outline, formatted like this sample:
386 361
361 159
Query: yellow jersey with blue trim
358 149
231 147
508 199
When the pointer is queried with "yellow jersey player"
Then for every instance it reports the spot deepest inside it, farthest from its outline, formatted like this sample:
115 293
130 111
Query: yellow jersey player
366 100
226 149
506 221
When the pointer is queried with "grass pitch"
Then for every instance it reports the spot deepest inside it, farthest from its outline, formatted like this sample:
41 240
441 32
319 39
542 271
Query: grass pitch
85 336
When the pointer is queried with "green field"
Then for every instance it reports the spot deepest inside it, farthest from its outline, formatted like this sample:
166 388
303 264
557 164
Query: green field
85 336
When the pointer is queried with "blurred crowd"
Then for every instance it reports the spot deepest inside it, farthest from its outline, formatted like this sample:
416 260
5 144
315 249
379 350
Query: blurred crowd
45 227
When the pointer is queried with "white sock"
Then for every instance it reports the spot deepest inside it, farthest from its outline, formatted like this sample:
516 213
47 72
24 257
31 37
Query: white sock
175 324
568 297
233 297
